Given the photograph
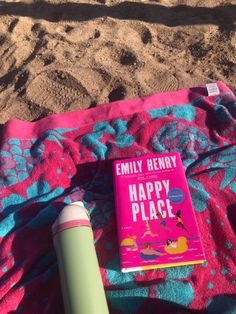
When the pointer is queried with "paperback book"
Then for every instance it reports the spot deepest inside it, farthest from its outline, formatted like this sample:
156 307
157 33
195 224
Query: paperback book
156 222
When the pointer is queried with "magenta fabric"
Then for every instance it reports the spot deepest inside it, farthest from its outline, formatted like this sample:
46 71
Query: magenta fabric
47 164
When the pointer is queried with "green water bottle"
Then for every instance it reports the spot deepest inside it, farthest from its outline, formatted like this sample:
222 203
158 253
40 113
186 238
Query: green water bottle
82 287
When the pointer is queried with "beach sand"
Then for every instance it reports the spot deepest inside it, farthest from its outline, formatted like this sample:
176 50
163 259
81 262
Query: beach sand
59 56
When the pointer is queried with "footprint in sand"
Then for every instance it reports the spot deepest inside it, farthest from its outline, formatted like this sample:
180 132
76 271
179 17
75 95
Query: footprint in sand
126 57
81 33
144 33
117 93
113 56
7 58
21 81
146 36
134 34
48 59
13 25
161 80
57 90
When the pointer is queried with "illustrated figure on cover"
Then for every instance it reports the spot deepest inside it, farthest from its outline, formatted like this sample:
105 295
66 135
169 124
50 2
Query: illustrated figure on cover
180 221
148 230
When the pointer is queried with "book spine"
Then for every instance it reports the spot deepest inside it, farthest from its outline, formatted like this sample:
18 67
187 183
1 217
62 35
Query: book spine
118 209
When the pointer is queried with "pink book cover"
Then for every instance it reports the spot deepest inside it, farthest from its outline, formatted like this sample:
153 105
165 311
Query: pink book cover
156 222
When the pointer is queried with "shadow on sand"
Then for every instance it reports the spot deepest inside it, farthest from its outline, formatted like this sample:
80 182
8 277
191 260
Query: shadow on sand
223 16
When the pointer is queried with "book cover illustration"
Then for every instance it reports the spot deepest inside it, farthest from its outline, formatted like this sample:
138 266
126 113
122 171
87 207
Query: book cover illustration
156 223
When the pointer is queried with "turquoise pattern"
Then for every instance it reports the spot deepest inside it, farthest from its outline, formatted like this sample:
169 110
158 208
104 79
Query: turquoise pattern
9 223
38 176
117 129
199 195
127 301
122 300
16 161
179 272
186 112
19 157
189 141
173 289
179 292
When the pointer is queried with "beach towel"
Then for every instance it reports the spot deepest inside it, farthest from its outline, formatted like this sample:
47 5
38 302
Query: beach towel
63 158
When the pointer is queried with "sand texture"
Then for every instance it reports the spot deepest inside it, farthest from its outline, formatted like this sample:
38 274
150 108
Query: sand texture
59 56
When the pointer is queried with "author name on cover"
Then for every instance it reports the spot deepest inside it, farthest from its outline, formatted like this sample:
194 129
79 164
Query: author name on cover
149 164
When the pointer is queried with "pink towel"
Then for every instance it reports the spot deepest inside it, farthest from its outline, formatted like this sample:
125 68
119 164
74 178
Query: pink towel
67 157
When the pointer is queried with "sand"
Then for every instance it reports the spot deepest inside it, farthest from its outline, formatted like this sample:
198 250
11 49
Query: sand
59 56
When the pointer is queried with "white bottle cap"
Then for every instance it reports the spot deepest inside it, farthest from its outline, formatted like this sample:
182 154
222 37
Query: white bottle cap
73 215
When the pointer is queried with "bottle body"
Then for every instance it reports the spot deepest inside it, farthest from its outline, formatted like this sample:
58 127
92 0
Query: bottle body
82 287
